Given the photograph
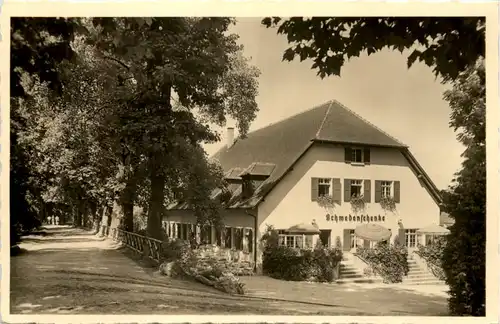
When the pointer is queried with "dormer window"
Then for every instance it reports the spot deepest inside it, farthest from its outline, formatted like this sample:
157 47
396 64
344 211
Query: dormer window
247 188
357 155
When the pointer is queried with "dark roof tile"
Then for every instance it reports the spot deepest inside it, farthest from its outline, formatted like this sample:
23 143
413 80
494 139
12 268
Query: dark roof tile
281 144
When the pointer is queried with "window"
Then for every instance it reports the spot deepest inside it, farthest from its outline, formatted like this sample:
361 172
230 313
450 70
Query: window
238 238
178 231
206 235
411 238
218 236
185 235
356 188
228 239
324 186
308 244
357 155
386 188
295 241
430 239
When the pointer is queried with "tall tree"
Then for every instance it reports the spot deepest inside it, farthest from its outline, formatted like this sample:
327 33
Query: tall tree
464 258
37 45
186 58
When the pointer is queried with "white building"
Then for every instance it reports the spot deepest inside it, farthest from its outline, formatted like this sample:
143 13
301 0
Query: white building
278 173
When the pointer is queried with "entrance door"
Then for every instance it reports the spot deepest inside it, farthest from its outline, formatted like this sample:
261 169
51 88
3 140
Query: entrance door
411 239
325 237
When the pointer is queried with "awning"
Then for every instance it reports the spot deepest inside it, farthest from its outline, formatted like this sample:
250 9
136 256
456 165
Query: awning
304 228
433 229
372 232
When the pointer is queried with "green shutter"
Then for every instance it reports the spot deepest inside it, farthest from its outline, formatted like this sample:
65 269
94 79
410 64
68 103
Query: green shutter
314 189
366 155
337 191
397 191
378 191
347 190
348 155
347 240
367 195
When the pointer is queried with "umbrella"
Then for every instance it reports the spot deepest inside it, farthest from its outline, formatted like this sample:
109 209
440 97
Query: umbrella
372 232
304 228
433 229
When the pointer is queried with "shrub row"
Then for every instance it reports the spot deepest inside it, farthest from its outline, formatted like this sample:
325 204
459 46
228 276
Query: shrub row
433 256
281 262
388 261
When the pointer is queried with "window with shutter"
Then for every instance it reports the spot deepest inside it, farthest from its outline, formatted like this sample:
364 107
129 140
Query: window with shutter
356 188
324 185
357 156
386 189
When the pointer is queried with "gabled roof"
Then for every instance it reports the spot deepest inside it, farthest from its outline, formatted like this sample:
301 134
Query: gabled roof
282 144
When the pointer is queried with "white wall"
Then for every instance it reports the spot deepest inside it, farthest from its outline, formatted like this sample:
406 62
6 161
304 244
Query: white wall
289 203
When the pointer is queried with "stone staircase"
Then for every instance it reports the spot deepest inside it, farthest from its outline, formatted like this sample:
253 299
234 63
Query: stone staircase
420 276
351 273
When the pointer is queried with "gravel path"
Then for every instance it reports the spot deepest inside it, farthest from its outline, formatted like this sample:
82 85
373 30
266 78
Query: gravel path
71 271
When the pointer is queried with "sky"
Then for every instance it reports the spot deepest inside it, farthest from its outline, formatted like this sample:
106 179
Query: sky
406 103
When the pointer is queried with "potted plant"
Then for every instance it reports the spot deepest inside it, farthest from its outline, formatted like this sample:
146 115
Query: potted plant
327 202
387 203
357 203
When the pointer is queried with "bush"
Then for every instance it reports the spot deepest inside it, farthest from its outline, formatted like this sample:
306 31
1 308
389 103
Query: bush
174 250
281 262
179 260
388 261
433 255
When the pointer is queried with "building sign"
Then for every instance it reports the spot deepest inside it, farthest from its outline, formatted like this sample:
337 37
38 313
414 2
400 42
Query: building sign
355 218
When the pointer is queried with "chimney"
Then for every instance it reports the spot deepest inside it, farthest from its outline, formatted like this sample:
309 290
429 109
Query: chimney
230 137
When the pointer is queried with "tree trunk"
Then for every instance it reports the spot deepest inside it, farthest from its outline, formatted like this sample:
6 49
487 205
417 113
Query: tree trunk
127 200
155 210
76 220
157 176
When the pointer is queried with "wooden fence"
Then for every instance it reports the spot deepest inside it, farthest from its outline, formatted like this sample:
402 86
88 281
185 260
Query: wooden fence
148 246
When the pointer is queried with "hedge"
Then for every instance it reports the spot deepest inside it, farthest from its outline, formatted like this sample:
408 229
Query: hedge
388 261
